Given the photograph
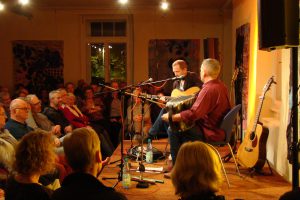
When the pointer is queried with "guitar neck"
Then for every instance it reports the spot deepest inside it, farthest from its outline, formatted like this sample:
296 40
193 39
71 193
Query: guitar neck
258 112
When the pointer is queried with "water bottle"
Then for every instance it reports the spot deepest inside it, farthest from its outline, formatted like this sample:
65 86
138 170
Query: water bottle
126 178
149 152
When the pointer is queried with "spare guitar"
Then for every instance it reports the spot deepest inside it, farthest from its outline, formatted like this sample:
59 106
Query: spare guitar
252 152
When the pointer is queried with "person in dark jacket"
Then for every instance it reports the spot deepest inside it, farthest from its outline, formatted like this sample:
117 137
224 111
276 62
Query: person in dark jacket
82 150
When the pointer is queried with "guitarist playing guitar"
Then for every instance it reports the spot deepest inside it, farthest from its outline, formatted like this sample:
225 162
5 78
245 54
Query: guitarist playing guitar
252 152
190 79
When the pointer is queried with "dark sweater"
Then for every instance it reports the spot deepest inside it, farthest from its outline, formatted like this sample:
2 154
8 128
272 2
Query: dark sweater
78 186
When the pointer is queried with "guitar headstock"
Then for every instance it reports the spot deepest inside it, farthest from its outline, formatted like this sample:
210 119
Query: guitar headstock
268 84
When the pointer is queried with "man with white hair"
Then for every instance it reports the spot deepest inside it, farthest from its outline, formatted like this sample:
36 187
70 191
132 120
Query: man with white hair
16 124
54 114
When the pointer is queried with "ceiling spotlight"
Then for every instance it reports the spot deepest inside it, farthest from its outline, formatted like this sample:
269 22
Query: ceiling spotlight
123 1
1 6
164 5
23 2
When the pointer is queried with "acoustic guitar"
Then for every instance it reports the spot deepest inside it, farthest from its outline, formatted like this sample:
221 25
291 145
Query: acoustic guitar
175 93
252 151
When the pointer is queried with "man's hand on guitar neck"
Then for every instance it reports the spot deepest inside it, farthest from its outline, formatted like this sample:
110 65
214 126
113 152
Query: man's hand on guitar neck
175 118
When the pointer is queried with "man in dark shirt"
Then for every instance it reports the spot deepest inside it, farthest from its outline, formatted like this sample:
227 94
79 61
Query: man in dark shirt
16 124
82 150
207 111
190 79
55 115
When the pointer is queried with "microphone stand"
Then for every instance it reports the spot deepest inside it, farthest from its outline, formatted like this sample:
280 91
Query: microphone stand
123 92
141 183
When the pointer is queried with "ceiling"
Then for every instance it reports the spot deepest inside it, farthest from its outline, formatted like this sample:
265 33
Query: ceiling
134 4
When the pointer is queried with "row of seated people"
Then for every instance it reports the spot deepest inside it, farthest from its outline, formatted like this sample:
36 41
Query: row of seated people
34 157
103 108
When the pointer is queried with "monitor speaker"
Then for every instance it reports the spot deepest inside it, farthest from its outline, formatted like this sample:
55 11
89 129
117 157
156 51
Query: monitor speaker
278 24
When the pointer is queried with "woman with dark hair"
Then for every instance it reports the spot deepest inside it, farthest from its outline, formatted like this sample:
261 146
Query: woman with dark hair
34 157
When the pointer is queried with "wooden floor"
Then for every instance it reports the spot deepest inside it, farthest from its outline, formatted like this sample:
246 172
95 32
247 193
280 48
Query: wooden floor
245 187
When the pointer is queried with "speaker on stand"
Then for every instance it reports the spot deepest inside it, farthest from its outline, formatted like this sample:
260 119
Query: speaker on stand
279 28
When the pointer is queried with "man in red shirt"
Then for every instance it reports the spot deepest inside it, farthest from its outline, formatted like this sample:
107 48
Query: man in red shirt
207 112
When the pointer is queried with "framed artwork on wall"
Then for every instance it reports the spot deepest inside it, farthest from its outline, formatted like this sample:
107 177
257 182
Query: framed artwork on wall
242 67
38 65
163 52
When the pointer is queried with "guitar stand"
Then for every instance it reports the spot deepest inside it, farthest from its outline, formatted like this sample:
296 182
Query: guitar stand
260 171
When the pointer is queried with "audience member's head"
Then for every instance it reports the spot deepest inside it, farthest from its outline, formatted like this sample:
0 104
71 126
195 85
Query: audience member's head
3 117
210 69
71 99
82 150
35 154
197 170
70 87
55 99
88 93
63 94
5 99
35 103
114 84
291 195
19 110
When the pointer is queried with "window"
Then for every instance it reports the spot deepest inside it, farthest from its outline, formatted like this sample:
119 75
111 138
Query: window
107 49
117 58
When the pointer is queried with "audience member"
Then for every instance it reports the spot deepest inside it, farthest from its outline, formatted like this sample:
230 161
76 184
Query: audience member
34 157
291 195
4 133
72 112
112 112
7 151
197 172
16 124
70 87
42 120
79 120
55 115
5 99
135 117
82 150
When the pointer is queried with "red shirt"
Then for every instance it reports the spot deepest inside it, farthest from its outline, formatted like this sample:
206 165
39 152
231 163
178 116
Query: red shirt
211 105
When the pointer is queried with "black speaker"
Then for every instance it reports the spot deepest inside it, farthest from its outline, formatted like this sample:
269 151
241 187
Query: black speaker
278 24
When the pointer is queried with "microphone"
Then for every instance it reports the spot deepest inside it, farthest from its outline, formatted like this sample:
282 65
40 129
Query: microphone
147 81
177 78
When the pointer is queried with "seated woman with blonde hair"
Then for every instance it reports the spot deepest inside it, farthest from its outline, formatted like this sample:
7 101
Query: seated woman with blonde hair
34 157
196 174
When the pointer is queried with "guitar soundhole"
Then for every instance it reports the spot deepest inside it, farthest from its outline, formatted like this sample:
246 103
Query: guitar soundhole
252 136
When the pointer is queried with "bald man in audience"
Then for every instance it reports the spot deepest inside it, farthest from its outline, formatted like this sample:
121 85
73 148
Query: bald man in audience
16 125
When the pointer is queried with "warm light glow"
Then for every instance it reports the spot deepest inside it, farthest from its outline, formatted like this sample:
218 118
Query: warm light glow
252 96
123 1
24 2
1 6
164 5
